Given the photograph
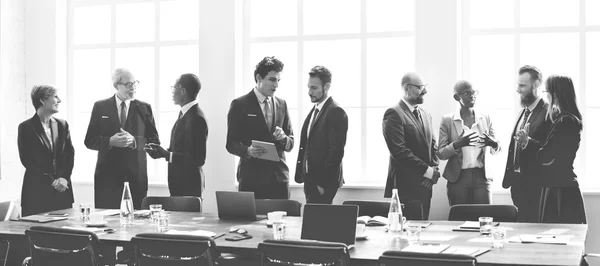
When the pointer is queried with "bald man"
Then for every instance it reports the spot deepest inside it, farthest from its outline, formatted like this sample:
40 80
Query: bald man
408 133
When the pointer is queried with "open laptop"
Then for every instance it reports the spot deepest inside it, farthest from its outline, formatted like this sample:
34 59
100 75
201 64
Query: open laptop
332 223
234 205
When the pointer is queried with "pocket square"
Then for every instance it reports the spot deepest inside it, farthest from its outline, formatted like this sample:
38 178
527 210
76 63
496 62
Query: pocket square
251 115
104 117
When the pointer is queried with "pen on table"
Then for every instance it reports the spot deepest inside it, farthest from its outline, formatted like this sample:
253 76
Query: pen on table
430 244
219 235
545 237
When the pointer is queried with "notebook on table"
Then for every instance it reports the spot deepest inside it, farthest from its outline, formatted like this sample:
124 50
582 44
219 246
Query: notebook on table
234 205
41 218
332 223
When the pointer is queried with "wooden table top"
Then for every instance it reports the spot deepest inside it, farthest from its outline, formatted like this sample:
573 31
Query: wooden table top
367 250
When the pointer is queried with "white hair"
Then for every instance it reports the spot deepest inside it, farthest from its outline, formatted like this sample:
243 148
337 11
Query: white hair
118 74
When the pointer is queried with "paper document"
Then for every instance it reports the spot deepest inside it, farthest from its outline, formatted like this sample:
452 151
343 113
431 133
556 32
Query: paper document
471 251
109 212
271 154
426 248
194 233
543 239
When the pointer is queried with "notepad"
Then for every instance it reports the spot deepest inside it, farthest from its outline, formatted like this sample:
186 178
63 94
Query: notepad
471 226
422 224
109 212
194 233
542 239
42 218
471 251
426 248
373 221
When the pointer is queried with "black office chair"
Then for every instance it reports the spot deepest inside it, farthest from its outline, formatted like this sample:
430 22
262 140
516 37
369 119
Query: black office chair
174 250
264 206
180 204
472 212
395 257
59 246
412 210
304 252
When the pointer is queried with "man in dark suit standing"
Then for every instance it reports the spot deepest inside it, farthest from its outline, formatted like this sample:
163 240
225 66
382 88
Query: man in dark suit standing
522 167
261 116
322 142
408 133
119 128
187 152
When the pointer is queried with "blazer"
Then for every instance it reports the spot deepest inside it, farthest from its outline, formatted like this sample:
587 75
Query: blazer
557 153
412 150
43 164
188 147
450 130
117 165
246 122
324 147
538 129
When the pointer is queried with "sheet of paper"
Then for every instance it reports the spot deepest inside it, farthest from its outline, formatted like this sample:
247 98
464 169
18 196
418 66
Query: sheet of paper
436 238
426 248
555 231
88 229
470 224
194 233
471 251
109 212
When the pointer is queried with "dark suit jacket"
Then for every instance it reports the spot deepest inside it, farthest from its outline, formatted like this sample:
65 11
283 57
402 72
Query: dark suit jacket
324 147
116 165
246 122
188 145
538 129
43 165
412 151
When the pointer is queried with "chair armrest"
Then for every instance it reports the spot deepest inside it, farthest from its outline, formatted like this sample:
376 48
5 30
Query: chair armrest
26 261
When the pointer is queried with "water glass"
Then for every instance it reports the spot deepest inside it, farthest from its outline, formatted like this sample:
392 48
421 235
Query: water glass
163 221
278 230
413 234
485 225
498 237
154 211
85 209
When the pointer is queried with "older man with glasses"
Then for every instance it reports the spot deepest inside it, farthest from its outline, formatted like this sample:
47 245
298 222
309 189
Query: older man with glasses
464 138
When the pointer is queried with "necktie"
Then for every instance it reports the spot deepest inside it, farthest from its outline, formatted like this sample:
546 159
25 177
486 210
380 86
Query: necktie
517 163
418 117
180 115
312 122
123 115
268 113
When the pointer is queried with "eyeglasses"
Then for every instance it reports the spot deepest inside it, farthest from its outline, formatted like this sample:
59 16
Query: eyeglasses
240 231
420 87
130 84
469 93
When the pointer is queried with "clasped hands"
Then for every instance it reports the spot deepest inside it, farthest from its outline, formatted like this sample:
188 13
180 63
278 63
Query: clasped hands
60 184
122 139
255 151
472 139
156 151
522 136
428 183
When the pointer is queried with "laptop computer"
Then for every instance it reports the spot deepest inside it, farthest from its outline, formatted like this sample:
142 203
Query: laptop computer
332 223
234 205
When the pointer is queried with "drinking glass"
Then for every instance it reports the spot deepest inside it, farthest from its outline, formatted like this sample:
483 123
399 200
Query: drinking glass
154 211
498 237
163 221
278 230
84 210
413 234
485 225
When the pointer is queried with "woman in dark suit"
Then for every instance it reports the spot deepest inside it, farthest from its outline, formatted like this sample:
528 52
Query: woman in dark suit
47 153
561 200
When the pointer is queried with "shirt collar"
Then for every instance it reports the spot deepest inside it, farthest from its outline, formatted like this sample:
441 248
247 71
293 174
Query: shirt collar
127 102
410 107
458 117
534 104
318 106
261 98
187 106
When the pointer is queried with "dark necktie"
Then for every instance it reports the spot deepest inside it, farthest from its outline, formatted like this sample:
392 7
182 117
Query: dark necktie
123 115
517 163
174 129
418 117
312 122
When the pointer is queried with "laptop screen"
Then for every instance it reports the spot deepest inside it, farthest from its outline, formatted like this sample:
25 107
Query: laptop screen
332 223
234 205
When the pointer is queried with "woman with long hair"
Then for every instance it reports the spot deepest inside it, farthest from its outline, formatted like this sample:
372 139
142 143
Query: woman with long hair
561 200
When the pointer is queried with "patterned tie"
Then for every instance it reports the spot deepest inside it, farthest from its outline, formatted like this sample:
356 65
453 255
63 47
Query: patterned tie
268 113
517 162
123 115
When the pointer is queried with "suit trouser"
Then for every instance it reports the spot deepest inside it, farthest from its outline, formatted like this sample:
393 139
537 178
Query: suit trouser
314 196
472 187
526 194
562 205
271 190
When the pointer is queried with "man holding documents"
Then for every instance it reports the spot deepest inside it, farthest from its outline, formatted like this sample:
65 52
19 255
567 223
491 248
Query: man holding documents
261 117
322 142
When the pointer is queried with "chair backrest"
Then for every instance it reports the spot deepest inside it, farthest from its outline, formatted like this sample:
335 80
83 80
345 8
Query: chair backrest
412 210
6 209
152 249
290 252
472 212
179 204
60 246
264 206
395 257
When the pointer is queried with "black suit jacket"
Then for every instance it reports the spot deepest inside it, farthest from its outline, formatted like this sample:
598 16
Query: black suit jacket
188 145
324 147
43 164
116 165
538 129
412 150
246 122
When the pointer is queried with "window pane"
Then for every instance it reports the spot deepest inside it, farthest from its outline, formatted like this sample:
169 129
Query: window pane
179 20
331 16
86 158
592 68
273 18
342 58
292 157
140 61
491 14
386 58
592 9
174 61
503 122
287 53
492 70
135 22
352 160
591 147
378 155
164 123
91 24
548 13
553 53
390 15
91 78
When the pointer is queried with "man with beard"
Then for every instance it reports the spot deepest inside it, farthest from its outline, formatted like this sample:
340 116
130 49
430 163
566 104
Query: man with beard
408 133
464 138
522 168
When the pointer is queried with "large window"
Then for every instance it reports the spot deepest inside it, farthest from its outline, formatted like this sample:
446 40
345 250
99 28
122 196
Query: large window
156 39
558 36
364 43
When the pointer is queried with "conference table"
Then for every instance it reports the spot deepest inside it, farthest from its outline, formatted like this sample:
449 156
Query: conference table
364 252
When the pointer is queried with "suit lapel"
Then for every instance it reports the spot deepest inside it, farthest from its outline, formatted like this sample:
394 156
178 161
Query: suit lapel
113 114
131 115
413 119
54 130
457 126
258 110
37 127
321 113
